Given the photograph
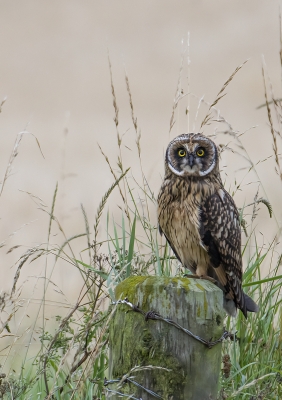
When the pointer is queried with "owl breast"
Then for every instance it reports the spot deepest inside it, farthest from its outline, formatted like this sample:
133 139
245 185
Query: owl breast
179 220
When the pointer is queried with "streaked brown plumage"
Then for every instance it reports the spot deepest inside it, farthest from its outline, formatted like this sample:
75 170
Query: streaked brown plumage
200 220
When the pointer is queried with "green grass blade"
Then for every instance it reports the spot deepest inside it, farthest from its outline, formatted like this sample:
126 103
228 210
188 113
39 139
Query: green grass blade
103 275
274 278
131 248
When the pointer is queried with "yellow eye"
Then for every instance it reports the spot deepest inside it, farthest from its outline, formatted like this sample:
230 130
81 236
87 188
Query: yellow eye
200 152
181 152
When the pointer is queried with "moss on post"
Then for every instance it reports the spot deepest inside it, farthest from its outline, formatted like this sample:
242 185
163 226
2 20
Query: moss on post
193 368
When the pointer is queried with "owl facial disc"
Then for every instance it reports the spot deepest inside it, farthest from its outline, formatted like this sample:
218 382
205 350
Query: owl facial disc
191 155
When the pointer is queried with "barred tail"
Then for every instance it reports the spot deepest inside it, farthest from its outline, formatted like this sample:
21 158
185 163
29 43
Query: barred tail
248 305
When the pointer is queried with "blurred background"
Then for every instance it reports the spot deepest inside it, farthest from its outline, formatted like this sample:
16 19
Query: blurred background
55 74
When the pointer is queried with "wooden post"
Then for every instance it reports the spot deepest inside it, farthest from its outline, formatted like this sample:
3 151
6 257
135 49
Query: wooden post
193 368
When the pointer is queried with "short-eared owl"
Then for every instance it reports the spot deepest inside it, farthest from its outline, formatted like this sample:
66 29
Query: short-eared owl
200 220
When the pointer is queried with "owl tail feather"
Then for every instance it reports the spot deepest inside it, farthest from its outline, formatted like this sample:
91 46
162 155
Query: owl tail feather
231 309
250 304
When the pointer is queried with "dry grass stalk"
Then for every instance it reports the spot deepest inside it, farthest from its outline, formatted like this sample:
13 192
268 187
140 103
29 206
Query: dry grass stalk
138 138
119 138
255 208
276 102
201 100
4 325
97 348
116 178
87 231
253 383
134 119
280 52
139 368
220 94
63 323
102 205
231 132
273 132
23 260
11 159
2 103
178 95
15 153
116 121
188 82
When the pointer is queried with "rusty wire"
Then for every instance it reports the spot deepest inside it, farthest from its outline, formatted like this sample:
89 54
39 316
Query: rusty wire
157 317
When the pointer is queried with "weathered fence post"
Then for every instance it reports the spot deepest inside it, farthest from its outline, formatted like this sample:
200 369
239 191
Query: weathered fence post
193 368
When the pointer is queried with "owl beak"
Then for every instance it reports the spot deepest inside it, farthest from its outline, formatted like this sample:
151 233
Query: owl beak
191 160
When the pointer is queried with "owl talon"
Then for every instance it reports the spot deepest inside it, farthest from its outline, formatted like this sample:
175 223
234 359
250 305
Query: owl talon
194 276
208 278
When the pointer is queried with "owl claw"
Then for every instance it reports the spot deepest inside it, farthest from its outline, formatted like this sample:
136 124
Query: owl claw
194 276
208 278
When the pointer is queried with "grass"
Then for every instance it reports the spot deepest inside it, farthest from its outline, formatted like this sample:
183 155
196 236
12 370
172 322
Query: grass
72 359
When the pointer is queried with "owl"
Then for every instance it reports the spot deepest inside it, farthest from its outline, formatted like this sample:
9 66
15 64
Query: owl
200 220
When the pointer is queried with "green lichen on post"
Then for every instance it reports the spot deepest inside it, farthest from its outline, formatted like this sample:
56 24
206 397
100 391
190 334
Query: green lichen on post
135 342
143 348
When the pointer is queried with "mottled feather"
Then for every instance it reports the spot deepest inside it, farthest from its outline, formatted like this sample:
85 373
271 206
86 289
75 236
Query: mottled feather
199 218
221 233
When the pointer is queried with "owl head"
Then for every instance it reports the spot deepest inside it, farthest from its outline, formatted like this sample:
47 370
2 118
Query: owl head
192 155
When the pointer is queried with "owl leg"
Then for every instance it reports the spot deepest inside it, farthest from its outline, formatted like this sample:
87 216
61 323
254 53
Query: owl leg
201 272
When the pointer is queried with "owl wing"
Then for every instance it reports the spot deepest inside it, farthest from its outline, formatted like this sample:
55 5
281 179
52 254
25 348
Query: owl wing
220 232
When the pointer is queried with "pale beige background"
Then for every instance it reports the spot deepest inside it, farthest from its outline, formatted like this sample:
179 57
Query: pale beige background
54 71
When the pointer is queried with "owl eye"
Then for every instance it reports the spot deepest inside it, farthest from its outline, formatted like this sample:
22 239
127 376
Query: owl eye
181 152
200 152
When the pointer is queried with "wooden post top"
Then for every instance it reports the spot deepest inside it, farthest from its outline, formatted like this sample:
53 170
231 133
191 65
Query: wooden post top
148 289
